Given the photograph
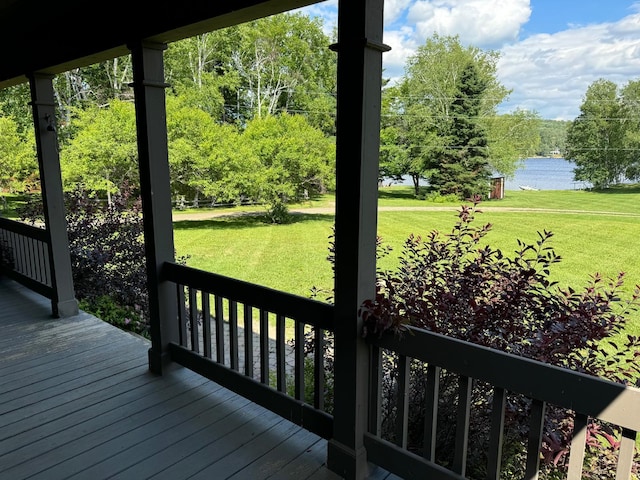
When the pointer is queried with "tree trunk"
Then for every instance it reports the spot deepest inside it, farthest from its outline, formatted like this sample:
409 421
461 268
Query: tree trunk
416 184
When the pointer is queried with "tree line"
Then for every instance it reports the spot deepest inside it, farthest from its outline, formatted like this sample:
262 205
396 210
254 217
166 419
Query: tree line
251 117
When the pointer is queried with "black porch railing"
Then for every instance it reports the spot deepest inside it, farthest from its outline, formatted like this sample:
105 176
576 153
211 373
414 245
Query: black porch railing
255 341
585 397
25 257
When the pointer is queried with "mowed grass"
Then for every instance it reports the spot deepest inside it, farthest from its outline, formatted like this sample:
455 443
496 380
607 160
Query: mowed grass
623 199
289 257
592 232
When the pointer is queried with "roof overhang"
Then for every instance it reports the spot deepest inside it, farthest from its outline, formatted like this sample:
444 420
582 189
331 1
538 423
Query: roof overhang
55 36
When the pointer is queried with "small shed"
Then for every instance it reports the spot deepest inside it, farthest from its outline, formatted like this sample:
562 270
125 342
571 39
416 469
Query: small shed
497 188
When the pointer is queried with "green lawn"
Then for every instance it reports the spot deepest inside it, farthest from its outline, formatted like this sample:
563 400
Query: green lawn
593 232
293 257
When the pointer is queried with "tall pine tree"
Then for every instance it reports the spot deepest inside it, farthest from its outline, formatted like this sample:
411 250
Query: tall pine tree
464 169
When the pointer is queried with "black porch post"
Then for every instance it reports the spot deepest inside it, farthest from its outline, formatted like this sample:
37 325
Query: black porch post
63 303
151 120
359 50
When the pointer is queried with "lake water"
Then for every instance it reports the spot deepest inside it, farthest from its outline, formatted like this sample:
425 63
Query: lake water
539 173
545 174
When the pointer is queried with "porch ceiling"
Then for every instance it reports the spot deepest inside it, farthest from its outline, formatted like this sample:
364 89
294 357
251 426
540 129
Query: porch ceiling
56 36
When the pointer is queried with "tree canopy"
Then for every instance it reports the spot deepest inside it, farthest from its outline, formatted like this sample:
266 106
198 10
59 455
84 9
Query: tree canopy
603 140
222 82
17 157
103 154
418 114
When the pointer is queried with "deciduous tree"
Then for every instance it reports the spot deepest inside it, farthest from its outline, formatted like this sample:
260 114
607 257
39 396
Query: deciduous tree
18 164
207 158
597 138
512 137
284 64
103 154
296 159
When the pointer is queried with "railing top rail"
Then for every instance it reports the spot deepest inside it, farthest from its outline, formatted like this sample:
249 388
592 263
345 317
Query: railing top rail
313 312
586 394
24 229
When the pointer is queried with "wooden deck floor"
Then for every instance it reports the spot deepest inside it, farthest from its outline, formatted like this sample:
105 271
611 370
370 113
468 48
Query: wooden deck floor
77 402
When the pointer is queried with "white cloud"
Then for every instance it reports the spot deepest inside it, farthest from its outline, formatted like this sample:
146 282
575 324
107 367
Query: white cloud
551 73
395 9
482 23
327 11
402 46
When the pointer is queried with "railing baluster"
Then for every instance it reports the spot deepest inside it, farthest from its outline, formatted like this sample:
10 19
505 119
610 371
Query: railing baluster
19 253
219 319
402 401
578 443
375 390
47 268
298 359
626 454
182 315
462 424
264 346
281 374
318 369
536 426
233 334
26 245
24 250
206 324
28 255
248 340
15 248
37 262
33 270
496 436
193 319
431 394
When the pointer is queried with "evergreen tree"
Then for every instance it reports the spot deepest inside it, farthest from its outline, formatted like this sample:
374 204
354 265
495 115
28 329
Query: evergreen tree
463 167
416 112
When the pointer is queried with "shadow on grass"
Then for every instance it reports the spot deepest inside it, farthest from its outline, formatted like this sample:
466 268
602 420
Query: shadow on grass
246 220
400 193
617 189
397 193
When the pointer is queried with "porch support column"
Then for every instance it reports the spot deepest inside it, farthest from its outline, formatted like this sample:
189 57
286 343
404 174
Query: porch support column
359 50
151 121
63 301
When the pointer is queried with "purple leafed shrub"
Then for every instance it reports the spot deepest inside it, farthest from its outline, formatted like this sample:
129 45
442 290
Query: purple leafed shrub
107 256
456 285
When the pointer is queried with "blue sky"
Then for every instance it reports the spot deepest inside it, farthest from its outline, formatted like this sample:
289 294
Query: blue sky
550 50
551 16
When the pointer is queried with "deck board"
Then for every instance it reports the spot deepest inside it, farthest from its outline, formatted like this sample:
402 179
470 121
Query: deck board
77 401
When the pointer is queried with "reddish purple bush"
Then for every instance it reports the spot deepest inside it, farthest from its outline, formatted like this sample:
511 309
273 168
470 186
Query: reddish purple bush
106 244
455 284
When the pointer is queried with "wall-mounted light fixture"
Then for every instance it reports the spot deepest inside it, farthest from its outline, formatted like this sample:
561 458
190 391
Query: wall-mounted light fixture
50 126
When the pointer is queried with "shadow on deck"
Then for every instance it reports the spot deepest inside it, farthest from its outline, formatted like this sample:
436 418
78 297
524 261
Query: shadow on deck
77 401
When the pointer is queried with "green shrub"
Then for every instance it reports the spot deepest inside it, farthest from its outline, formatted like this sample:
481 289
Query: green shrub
124 317
278 212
